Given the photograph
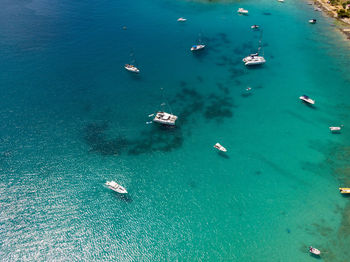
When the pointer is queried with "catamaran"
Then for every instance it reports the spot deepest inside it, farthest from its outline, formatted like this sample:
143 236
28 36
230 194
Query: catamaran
116 187
255 59
163 117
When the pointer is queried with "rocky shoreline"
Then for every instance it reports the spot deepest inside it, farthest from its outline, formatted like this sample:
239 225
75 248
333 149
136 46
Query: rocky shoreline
332 11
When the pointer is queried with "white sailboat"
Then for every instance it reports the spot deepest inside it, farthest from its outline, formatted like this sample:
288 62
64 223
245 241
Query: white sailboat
163 117
198 46
130 67
255 59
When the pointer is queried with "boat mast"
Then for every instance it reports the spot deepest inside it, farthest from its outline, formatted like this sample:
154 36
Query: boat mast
133 59
260 43
166 101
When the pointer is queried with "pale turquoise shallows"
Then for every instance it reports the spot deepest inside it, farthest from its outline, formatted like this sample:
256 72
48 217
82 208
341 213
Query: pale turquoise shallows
71 118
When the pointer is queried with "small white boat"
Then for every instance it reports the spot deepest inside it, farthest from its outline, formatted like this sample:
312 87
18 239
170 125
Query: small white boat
116 187
281 1
254 27
220 147
242 11
165 118
314 251
344 190
312 21
132 68
318 9
254 59
197 47
181 19
307 99
335 128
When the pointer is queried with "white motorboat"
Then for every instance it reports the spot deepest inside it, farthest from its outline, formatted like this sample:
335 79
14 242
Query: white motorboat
314 251
317 9
307 99
254 27
335 128
181 19
132 68
220 147
116 187
312 21
197 47
165 118
281 1
242 11
254 59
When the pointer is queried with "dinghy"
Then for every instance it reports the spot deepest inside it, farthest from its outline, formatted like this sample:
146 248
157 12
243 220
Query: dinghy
312 21
220 147
254 27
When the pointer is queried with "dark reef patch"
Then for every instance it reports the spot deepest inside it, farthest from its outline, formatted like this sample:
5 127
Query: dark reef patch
216 106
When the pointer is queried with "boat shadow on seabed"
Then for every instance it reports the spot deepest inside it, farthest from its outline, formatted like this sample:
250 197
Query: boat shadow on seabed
223 155
123 197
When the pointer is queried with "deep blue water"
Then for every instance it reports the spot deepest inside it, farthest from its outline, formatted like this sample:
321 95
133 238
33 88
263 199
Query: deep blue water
72 118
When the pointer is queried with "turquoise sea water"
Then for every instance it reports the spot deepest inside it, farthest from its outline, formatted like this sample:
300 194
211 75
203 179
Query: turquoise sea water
72 118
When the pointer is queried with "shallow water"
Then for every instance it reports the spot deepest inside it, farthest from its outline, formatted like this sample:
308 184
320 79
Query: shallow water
72 118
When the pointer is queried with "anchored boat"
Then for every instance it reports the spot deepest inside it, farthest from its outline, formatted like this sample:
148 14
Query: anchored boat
312 21
197 47
116 187
220 147
314 251
335 129
181 19
344 190
255 59
307 99
131 68
242 11
165 118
